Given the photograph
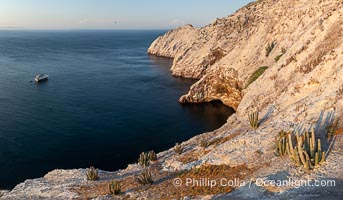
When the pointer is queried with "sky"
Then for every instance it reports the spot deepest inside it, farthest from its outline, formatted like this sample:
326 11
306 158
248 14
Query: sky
112 14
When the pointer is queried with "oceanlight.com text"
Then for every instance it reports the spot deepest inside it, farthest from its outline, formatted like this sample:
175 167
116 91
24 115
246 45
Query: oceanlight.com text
262 182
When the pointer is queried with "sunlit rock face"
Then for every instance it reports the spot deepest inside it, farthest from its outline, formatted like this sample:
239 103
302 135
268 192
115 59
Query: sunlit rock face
224 54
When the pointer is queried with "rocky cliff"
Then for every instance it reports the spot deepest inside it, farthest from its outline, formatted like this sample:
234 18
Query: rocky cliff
301 44
307 38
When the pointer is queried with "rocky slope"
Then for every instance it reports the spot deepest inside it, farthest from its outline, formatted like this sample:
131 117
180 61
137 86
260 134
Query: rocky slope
301 89
225 53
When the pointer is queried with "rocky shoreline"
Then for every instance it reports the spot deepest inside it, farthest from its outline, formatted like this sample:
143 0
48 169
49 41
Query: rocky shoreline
301 44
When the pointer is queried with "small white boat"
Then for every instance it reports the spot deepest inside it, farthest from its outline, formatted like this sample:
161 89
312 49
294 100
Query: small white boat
41 77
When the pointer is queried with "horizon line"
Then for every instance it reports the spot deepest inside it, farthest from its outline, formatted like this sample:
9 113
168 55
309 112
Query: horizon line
85 29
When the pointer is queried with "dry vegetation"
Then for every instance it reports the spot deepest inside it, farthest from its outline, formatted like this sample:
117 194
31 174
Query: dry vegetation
339 131
221 140
164 186
189 157
330 42
340 93
100 187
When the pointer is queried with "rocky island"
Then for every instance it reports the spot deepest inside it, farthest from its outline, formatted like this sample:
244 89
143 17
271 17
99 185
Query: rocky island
279 64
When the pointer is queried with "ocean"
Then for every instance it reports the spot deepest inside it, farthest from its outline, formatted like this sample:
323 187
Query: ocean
106 101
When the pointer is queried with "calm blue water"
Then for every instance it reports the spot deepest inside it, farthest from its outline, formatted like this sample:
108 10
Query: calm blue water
106 101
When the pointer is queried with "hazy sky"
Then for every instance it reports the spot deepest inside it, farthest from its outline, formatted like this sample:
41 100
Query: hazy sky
101 14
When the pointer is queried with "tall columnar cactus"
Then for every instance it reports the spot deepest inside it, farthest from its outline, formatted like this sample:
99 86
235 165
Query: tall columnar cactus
253 119
114 187
178 148
152 156
292 152
204 143
307 151
145 177
92 174
281 143
144 159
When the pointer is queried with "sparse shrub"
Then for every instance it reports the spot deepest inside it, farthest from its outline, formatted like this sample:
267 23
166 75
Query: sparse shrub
178 148
340 93
328 44
270 48
307 151
277 58
92 174
283 50
152 156
204 143
145 177
258 152
114 187
256 75
281 143
144 159
253 119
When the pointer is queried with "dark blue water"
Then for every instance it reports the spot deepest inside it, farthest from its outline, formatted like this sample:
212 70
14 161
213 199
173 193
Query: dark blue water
106 101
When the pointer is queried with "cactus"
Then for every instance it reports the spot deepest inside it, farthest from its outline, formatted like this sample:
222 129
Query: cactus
281 142
303 156
178 148
293 153
283 50
92 174
152 156
270 48
114 187
144 159
253 119
307 151
204 143
145 177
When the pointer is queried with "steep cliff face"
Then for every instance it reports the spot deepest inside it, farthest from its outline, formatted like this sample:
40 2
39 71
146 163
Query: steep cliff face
307 40
169 45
